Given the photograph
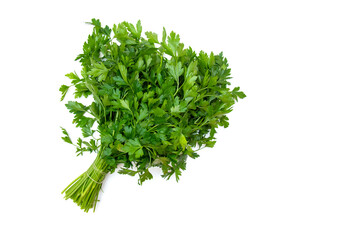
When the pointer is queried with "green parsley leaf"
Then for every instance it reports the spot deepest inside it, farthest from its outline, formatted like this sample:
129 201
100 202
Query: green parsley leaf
128 172
182 141
66 137
125 104
76 107
100 71
64 89
238 94
152 37
123 72
158 112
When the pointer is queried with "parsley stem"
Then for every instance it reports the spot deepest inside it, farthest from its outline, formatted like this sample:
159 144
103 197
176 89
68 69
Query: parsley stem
85 189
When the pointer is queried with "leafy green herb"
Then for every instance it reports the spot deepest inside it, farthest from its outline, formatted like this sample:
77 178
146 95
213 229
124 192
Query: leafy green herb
153 104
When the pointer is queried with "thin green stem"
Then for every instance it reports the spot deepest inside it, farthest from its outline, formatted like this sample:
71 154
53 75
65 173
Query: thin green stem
85 189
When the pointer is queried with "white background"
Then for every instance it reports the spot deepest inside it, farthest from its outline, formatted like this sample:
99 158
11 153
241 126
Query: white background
271 175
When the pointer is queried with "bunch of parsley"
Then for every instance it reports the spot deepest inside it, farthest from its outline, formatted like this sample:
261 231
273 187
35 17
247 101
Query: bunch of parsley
154 103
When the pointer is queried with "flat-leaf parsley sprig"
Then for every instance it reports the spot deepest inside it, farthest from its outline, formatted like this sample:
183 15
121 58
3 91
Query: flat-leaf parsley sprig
155 103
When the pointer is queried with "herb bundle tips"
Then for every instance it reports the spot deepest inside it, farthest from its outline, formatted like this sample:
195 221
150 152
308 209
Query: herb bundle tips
154 103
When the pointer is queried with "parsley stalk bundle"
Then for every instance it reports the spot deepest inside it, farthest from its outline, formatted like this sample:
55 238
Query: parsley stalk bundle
154 103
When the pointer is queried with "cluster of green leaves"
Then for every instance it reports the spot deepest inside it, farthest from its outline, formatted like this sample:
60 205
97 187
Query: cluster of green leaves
154 102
